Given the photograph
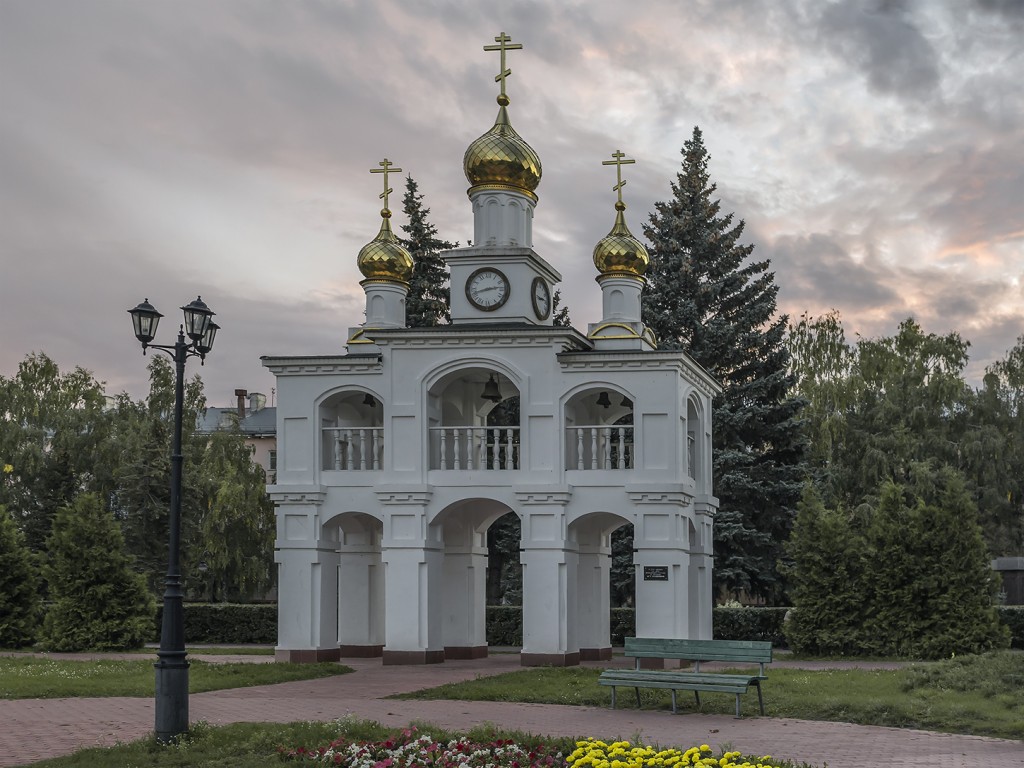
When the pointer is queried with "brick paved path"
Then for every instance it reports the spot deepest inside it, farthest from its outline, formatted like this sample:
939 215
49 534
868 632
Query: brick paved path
36 728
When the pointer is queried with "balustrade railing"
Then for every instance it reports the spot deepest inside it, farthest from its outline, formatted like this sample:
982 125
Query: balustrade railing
353 448
599 447
467 448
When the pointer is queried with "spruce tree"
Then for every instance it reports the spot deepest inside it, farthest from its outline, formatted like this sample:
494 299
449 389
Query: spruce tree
98 602
707 297
19 600
429 297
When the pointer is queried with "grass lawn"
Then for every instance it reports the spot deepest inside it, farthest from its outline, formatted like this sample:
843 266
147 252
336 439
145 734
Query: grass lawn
219 650
256 745
30 677
973 694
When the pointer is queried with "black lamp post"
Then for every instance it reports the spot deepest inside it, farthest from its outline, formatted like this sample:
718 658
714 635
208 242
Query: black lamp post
172 667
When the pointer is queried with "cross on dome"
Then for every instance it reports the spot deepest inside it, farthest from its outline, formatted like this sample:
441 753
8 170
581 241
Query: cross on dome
385 169
504 43
618 162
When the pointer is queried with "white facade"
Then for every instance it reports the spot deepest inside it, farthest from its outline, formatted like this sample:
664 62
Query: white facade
388 474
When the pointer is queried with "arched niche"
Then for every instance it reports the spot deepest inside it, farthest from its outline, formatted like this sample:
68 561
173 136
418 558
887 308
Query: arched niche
351 431
462 435
599 429
695 443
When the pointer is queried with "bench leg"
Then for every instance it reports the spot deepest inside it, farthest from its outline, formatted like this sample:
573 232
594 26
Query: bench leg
637 697
674 701
613 697
696 695
760 700
737 706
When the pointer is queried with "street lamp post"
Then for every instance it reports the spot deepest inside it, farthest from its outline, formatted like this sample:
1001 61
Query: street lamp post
172 667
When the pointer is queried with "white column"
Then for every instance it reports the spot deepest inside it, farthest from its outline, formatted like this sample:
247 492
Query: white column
593 607
307 559
412 553
550 566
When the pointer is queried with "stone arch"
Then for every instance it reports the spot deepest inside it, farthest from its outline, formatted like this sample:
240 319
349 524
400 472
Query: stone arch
591 534
463 525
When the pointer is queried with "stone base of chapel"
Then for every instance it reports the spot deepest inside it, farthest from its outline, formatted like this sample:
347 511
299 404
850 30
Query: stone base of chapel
595 654
549 659
413 657
465 652
307 655
361 651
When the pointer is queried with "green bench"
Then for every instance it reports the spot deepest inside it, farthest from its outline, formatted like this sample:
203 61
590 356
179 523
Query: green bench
695 651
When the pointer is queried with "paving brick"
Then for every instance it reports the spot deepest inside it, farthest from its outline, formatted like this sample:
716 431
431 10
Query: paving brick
34 729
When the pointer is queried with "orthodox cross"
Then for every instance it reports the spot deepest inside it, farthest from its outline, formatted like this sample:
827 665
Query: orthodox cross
504 43
618 162
385 168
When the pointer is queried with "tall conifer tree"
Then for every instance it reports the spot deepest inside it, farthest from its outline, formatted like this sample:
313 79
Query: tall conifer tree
429 296
707 297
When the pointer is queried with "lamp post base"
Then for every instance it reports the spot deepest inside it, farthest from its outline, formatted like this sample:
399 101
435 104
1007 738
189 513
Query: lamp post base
171 699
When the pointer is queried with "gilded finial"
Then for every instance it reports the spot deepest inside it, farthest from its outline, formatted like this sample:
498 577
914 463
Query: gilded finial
385 168
618 162
504 43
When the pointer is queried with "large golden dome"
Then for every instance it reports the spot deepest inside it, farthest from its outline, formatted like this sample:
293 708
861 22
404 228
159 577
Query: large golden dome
384 258
619 253
501 159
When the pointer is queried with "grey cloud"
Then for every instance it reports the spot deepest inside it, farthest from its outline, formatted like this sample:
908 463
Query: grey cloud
886 42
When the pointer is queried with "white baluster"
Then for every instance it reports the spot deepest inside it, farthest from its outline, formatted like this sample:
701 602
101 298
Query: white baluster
374 440
349 450
579 447
622 448
495 449
337 449
444 448
456 434
593 447
606 448
509 459
362 448
481 448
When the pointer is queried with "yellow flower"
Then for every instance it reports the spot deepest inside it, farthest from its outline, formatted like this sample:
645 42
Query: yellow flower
8 468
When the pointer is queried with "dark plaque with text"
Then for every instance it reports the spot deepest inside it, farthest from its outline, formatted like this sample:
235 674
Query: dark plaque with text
655 573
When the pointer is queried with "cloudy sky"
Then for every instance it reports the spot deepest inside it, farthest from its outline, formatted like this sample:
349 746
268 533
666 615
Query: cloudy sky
165 149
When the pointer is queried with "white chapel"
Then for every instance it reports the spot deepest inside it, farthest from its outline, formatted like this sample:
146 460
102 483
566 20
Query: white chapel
389 471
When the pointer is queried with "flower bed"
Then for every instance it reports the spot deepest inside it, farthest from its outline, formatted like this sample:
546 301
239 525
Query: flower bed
410 750
621 754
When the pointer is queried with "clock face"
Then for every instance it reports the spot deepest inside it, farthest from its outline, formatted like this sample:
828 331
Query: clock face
487 289
541 296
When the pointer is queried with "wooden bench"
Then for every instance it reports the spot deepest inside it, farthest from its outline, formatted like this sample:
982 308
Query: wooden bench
696 651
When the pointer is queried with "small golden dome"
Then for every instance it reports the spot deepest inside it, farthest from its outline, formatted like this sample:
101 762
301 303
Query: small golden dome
619 252
500 158
384 258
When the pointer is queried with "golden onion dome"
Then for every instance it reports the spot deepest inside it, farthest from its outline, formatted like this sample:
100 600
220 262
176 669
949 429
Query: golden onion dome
619 253
501 159
384 258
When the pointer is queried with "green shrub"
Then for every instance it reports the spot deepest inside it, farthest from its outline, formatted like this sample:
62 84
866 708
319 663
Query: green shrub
19 599
98 602
623 625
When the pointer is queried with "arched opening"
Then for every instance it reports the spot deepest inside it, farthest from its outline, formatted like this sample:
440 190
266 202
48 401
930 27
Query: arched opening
359 586
592 535
464 529
463 433
504 571
599 430
694 433
351 431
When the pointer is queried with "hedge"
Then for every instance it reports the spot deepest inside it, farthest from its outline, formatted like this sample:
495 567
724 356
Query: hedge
233 624
1013 617
228 623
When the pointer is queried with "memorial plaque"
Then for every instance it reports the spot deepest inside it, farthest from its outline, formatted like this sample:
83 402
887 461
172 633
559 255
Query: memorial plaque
655 573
